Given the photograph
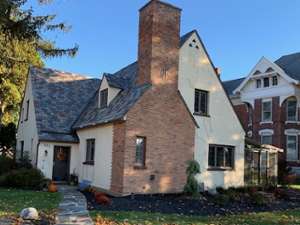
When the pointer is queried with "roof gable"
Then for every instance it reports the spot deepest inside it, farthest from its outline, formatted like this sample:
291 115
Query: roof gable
263 66
59 98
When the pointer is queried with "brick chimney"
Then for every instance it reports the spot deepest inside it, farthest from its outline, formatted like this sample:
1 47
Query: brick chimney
159 38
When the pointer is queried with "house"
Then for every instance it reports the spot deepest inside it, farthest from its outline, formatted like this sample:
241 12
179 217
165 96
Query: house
135 130
267 102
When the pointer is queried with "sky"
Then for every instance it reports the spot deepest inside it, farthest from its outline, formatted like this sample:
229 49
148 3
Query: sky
236 33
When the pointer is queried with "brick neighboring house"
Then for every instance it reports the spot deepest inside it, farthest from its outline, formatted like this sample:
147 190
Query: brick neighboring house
134 131
267 102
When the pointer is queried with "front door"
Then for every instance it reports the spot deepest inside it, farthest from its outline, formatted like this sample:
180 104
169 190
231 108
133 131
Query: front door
61 163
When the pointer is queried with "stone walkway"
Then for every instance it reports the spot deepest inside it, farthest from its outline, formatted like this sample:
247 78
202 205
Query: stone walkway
73 208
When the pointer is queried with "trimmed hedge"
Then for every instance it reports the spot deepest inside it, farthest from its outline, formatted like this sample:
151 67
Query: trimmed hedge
24 178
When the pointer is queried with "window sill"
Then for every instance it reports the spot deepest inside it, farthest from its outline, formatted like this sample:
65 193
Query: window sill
220 169
90 163
201 114
292 122
266 122
139 167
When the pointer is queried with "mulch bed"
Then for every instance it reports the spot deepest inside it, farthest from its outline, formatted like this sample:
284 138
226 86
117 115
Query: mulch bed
183 205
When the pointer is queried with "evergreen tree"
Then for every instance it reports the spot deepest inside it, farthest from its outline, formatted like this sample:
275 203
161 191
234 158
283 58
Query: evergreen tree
22 44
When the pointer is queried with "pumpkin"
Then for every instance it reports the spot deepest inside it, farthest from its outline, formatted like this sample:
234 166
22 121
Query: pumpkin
102 199
52 187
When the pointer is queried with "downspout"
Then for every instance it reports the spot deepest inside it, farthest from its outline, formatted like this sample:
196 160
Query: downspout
37 154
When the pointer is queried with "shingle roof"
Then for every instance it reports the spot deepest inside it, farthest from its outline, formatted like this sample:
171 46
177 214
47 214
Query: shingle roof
65 101
119 106
290 64
59 98
230 85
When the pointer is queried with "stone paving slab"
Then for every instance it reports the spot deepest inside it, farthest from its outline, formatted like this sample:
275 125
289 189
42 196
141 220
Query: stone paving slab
73 208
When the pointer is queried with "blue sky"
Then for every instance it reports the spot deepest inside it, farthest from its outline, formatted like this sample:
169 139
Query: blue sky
236 33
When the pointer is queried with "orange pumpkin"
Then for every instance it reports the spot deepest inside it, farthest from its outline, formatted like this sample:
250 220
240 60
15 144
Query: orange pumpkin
52 187
102 199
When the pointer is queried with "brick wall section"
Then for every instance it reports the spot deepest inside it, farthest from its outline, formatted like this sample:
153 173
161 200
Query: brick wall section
159 37
119 129
160 115
241 111
278 126
162 118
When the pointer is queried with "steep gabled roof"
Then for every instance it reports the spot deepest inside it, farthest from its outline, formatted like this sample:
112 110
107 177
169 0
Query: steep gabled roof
59 98
119 106
65 101
290 64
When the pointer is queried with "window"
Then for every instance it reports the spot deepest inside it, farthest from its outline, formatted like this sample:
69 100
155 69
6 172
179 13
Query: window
201 102
258 83
266 139
22 149
266 111
274 80
266 82
103 98
291 109
221 157
292 147
140 153
90 150
27 110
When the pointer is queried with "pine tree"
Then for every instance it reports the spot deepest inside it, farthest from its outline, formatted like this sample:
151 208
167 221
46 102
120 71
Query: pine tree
21 45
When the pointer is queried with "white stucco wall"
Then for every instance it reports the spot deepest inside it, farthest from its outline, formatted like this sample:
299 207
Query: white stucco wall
221 127
45 161
27 130
99 173
112 92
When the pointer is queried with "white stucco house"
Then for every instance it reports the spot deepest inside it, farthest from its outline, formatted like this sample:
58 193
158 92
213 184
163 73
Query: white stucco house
134 131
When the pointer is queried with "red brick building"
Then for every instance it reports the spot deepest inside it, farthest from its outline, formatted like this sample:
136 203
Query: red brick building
267 103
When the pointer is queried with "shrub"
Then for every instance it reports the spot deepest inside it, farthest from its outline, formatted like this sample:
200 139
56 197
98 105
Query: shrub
220 190
192 186
222 199
258 199
6 164
23 178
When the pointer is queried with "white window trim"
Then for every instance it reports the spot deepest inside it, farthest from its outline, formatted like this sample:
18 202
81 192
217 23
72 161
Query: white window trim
262 114
297 147
266 132
286 113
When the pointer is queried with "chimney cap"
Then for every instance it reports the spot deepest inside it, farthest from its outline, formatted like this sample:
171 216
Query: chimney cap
160 2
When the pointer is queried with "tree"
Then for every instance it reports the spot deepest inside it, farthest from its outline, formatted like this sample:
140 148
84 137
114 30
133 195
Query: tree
21 45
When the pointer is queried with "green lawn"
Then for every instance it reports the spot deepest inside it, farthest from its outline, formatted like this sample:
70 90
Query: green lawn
291 217
13 201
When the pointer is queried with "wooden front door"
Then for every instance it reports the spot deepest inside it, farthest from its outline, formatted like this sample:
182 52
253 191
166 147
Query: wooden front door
61 163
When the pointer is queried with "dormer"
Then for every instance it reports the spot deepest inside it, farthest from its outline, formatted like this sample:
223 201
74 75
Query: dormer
108 91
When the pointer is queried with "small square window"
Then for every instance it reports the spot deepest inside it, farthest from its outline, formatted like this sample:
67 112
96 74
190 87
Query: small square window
274 80
221 157
266 82
266 139
258 83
